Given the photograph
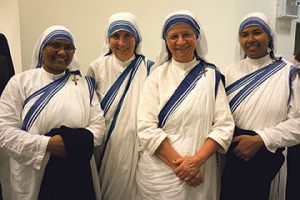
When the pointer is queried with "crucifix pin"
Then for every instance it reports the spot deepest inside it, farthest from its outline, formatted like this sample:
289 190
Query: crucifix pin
75 79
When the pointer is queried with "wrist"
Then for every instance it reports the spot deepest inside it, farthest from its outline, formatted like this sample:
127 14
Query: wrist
259 141
200 159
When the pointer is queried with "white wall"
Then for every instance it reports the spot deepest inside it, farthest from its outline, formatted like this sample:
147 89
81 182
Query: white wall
87 19
10 27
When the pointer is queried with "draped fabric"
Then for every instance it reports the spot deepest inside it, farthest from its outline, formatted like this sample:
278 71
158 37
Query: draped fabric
119 100
184 88
130 71
240 178
271 109
200 115
70 177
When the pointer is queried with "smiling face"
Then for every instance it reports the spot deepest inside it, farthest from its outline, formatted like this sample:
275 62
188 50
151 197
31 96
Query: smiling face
181 41
122 44
57 55
254 41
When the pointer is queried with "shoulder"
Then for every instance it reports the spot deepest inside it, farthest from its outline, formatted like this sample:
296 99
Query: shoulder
30 74
98 62
96 66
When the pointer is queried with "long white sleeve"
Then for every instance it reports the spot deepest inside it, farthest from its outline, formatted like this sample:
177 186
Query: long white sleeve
286 133
18 144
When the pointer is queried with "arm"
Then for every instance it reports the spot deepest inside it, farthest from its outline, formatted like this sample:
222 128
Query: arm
287 132
167 154
153 140
20 145
96 122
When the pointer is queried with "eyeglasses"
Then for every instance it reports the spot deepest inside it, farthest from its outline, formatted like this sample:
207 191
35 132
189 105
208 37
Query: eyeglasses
56 46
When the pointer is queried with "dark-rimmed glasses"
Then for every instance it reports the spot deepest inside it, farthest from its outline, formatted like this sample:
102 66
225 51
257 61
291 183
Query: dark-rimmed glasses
56 46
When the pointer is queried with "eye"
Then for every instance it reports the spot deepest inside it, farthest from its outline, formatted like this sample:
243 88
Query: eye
187 35
243 34
173 37
55 45
128 36
115 35
257 32
69 47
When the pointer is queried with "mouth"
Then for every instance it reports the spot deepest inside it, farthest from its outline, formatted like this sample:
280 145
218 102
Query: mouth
122 48
181 50
252 45
60 60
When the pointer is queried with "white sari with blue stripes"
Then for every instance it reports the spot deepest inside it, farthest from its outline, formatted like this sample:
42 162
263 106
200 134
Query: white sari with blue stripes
201 114
118 166
264 97
71 104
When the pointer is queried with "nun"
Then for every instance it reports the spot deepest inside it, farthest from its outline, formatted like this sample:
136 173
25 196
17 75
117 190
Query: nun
50 122
183 117
120 74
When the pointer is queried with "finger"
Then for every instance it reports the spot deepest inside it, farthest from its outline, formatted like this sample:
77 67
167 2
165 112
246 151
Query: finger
237 138
178 161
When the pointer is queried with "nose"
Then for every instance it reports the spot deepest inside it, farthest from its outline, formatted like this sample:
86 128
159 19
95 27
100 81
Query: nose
251 37
62 51
122 41
180 40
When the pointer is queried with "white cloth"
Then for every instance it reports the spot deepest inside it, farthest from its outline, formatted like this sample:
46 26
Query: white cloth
117 172
27 149
267 110
201 115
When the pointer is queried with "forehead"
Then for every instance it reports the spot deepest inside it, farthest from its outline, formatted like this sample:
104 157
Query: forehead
252 28
61 41
120 32
182 27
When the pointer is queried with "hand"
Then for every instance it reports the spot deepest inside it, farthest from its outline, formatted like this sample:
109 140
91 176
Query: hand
247 146
188 167
196 180
56 146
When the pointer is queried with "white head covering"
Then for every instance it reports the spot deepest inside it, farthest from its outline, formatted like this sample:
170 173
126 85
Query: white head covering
258 19
179 17
51 33
122 21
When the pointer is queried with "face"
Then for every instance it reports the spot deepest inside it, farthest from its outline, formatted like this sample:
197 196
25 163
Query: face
181 41
122 44
57 55
254 41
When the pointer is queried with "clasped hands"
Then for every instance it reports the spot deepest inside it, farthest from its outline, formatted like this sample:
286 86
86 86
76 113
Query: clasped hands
188 170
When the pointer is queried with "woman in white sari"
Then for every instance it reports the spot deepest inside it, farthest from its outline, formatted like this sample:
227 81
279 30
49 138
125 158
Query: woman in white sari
183 118
120 74
264 99
50 121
